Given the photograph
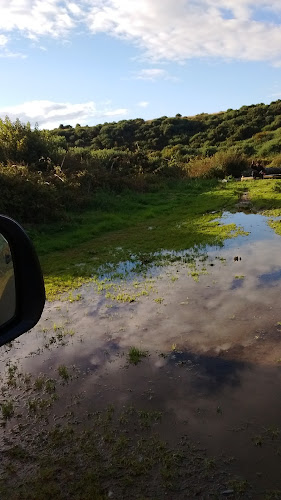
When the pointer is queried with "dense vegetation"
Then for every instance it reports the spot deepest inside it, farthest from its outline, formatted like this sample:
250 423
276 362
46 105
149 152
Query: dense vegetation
44 174
252 130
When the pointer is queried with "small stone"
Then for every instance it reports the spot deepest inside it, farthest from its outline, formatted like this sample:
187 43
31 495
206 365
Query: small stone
228 492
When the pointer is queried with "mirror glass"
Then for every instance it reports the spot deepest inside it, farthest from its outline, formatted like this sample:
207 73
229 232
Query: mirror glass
7 283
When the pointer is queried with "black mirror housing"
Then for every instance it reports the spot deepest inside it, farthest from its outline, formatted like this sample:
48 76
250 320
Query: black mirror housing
28 279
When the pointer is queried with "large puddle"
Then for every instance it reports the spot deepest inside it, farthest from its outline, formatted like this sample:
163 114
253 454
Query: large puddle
211 329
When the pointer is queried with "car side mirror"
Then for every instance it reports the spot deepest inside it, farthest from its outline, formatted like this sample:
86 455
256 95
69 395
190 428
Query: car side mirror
22 292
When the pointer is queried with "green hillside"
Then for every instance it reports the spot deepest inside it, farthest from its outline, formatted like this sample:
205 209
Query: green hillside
46 174
253 130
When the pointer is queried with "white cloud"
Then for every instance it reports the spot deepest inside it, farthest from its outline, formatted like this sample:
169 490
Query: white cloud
50 114
143 104
3 40
34 18
153 74
15 55
180 30
276 94
116 112
163 29
4 52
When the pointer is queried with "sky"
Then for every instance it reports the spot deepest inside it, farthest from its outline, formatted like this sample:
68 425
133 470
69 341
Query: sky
96 61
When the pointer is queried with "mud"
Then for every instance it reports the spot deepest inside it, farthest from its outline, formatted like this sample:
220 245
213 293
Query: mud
213 350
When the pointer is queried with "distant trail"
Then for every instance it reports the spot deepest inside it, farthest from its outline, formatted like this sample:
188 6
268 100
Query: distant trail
244 201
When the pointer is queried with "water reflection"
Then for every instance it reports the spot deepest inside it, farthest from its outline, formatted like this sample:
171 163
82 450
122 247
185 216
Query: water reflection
270 278
212 373
212 345
233 309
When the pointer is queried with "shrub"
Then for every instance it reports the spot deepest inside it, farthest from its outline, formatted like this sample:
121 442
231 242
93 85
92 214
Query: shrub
275 166
231 162
221 164
202 167
21 144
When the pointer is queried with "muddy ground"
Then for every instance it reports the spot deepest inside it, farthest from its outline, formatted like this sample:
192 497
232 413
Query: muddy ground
207 380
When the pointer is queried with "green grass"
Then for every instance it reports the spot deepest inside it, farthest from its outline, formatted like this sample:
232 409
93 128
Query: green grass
131 225
7 408
63 372
137 227
116 452
135 355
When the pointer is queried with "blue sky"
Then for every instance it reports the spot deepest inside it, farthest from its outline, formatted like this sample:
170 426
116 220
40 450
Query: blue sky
93 61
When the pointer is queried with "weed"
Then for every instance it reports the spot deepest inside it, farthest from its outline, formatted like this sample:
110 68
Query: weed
27 379
135 355
209 463
7 408
194 275
63 372
257 440
147 418
69 332
273 495
174 278
32 405
239 486
38 405
39 383
11 374
73 298
16 452
50 386
159 300
273 432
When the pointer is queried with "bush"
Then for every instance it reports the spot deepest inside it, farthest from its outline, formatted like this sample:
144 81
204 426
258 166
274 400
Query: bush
204 168
270 148
275 166
231 163
219 165
20 144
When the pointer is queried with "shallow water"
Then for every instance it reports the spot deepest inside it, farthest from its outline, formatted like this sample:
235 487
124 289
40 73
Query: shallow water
213 349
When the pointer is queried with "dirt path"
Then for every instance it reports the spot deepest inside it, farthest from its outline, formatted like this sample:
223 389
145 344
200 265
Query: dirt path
244 202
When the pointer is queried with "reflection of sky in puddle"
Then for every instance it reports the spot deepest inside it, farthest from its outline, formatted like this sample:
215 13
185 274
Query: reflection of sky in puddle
202 340
254 224
233 305
213 373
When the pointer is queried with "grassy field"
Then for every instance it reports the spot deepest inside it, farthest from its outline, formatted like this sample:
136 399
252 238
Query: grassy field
135 226
113 451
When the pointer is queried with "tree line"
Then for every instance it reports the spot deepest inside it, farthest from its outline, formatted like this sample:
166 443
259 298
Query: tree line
47 173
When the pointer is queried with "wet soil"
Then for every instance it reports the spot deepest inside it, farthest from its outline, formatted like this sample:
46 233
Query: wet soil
211 331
